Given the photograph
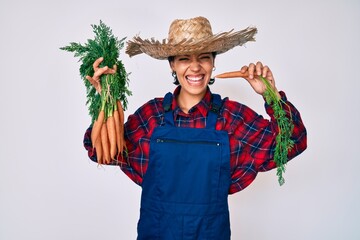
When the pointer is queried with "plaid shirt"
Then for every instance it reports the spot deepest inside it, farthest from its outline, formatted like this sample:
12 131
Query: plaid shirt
251 137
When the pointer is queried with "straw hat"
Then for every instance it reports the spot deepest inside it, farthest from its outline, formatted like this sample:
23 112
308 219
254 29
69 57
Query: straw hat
187 36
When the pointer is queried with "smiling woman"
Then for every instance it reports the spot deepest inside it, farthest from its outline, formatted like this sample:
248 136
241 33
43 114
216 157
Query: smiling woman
176 82
193 73
192 148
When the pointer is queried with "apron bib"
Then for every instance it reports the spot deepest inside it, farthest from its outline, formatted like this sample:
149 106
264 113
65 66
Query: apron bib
185 188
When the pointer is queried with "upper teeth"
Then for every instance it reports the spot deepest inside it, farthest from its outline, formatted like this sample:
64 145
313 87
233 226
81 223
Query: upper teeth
194 78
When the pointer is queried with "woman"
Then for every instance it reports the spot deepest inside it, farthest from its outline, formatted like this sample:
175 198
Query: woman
192 148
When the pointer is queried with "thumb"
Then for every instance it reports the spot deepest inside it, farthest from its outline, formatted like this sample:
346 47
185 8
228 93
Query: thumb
90 79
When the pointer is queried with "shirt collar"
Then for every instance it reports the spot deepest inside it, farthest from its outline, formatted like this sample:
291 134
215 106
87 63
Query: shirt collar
203 106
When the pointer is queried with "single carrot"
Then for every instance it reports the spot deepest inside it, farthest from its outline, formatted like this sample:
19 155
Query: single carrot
117 129
95 132
234 74
121 120
99 150
105 143
110 125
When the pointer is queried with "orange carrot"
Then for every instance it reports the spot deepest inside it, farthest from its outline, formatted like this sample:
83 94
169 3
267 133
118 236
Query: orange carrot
117 129
99 150
110 125
95 132
234 74
105 143
121 120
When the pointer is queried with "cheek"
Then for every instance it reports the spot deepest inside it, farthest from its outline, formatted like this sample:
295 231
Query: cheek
208 65
181 71
209 68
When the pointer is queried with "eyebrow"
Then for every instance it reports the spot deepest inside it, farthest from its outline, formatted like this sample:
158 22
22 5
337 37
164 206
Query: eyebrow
188 55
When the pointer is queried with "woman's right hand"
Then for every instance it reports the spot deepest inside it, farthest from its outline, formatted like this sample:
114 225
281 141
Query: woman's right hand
95 79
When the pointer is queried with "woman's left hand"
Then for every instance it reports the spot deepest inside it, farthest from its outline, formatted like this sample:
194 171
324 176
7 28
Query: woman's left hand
256 70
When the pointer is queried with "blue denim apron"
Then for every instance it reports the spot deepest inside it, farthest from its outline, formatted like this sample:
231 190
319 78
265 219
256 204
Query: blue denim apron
185 188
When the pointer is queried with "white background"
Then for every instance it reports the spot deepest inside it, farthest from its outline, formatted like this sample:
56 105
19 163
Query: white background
50 190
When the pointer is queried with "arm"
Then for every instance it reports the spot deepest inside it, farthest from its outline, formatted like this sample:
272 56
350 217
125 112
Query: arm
299 132
138 131
125 162
299 135
257 136
254 140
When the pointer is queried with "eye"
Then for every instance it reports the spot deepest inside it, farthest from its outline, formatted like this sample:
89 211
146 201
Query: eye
205 57
182 58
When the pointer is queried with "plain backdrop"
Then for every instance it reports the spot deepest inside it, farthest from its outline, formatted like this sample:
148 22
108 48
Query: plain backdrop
49 189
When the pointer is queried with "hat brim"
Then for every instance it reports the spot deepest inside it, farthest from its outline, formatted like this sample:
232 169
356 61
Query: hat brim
218 43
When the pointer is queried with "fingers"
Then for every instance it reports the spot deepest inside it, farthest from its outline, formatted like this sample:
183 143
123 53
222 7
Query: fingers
95 83
255 70
267 74
258 69
97 63
264 71
98 72
251 70
244 69
114 68
108 70
104 70
90 79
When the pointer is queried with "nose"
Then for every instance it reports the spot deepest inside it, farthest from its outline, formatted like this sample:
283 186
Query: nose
195 66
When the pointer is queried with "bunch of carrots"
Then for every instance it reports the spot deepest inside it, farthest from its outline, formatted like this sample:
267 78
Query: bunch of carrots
107 107
107 135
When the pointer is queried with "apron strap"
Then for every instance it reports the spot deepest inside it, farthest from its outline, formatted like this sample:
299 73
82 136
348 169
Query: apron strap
216 104
168 117
214 111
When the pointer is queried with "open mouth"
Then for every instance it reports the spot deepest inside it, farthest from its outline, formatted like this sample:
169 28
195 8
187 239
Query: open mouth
195 79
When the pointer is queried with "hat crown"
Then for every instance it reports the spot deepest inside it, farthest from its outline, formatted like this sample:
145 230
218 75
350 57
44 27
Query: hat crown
190 30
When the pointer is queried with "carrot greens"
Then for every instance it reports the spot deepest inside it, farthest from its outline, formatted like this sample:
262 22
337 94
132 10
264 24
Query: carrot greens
114 87
285 125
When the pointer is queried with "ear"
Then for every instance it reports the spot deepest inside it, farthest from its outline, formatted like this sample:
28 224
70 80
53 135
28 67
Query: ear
171 63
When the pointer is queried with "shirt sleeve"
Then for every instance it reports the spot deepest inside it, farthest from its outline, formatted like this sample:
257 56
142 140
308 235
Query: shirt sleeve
299 135
88 145
256 140
92 151
131 169
138 129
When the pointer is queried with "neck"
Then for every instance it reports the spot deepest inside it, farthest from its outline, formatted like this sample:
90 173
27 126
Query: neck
187 101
